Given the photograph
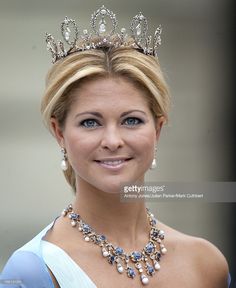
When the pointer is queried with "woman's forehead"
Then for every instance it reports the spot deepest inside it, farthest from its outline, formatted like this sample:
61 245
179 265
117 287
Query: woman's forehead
110 91
113 88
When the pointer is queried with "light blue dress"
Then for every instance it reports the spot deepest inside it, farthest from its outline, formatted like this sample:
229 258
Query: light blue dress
27 267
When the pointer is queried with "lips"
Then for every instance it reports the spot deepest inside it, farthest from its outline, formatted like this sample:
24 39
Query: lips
113 162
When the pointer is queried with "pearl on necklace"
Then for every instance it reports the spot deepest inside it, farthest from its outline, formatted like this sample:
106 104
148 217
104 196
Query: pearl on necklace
144 279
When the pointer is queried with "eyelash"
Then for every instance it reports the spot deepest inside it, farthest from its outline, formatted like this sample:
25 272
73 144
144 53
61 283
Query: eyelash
140 121
83 123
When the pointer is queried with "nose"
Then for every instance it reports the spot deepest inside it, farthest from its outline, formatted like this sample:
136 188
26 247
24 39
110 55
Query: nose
111 139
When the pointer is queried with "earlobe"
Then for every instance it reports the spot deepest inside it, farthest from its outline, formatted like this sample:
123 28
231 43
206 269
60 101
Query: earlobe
57 131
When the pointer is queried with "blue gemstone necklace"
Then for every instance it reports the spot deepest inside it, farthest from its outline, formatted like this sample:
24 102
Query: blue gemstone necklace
144 263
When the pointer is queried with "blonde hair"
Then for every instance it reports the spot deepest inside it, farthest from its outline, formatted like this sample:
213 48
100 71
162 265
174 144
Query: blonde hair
75 69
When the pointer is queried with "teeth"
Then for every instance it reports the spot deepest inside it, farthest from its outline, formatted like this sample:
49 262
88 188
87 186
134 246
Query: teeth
113 163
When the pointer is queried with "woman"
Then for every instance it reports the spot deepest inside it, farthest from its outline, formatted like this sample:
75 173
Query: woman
106 105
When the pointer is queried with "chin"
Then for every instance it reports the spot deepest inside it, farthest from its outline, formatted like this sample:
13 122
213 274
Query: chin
112 188
115 186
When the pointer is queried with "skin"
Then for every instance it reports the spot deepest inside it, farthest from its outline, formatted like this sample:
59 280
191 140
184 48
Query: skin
111 130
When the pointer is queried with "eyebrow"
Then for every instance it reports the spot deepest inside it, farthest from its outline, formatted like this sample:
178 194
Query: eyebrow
97 114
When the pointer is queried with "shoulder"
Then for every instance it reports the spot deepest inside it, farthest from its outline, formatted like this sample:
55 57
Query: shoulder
206 260
28 267
210 260
14 263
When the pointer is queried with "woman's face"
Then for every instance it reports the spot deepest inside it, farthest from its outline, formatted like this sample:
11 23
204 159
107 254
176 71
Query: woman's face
109 134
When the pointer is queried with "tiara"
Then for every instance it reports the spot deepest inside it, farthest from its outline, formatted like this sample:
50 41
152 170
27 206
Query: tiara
103 25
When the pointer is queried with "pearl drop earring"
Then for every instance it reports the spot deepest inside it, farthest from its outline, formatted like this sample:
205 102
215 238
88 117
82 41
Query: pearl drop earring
154 161
64 162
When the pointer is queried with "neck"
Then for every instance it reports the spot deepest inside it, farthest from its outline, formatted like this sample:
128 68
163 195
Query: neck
124 223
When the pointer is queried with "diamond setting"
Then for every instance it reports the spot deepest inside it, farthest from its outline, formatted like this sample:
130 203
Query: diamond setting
103 28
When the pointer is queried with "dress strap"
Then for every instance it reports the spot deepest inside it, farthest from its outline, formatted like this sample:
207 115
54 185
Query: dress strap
64 268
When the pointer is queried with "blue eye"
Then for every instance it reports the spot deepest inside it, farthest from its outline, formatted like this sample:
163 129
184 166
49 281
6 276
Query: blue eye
89 123
132 121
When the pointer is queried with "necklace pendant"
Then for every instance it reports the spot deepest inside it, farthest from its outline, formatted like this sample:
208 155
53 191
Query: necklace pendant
120 268
111 259
149 248
139 267
130 272
163 249
144 279
150 270
136 256
105 253
157 266
73 223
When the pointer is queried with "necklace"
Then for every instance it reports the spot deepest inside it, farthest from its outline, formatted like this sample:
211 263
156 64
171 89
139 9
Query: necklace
135 262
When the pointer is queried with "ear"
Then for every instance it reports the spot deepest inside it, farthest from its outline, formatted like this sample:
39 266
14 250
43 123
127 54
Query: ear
159 123
57 131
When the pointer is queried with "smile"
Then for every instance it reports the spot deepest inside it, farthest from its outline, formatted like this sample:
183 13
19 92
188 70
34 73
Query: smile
113 164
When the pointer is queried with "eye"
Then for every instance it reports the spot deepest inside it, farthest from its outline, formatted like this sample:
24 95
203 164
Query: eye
89 123
132 121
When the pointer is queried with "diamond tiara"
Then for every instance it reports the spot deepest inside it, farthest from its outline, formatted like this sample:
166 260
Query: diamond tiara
102 37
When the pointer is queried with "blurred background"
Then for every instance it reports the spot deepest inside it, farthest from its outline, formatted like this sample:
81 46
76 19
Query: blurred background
196 146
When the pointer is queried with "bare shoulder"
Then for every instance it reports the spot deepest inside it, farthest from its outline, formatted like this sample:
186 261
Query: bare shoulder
205 258
209 258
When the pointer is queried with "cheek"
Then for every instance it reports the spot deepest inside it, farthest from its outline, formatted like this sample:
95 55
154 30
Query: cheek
78 148
144 144
147 149
145 137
